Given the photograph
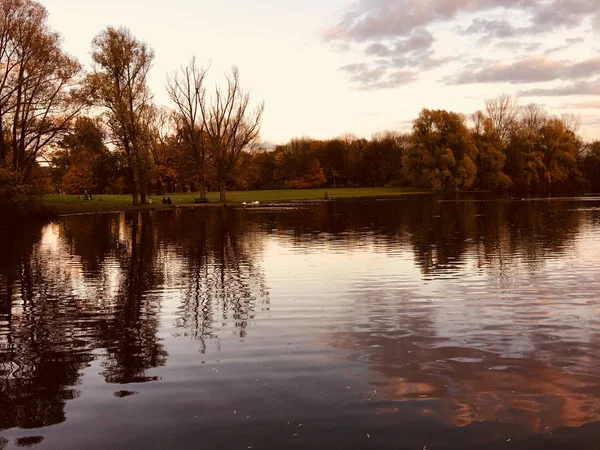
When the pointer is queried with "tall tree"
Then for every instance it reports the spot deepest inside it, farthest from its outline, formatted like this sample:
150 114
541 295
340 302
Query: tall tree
504 112
442 153
40 85
122 63
231 127
164 150
490 158
186 89
559 147
82 161
533 117
524 163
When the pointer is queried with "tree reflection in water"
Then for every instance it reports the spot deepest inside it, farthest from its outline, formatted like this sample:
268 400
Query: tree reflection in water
482 332
40 354
55 312
93 282
225 284
129 333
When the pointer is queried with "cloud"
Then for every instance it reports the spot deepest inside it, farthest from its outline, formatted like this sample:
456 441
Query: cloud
376 19
584 105
421 39
402 34
534 69
578 88
569 43
389 70
591 121
563 13
493 29
366 77
518 46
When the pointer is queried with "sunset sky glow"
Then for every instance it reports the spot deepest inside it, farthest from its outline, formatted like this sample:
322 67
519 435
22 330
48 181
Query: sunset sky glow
325 68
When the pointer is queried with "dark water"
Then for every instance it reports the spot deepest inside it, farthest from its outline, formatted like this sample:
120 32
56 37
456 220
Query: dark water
355 324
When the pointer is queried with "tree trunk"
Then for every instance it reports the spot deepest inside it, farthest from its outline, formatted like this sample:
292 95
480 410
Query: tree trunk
143 195
134 186
142 185
222 191
202 179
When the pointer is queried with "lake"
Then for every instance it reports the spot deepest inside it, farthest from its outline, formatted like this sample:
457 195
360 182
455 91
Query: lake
418 322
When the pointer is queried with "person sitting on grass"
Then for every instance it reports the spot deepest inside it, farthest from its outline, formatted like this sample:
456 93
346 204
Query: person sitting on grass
164 200
169 200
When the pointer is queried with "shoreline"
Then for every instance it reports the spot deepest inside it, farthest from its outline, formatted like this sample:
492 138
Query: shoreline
270 204
68 205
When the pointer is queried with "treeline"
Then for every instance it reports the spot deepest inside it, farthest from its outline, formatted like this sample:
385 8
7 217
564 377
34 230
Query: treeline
526 149
65 130
503 146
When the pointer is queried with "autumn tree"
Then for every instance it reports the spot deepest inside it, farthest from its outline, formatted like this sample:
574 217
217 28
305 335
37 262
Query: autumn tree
331 156
559 147
160 136
524 162
442 152
81 160
263 171
590 165
186 90
40 86
122 63
490 158
525 165
355 161
297 164
382 160
231 127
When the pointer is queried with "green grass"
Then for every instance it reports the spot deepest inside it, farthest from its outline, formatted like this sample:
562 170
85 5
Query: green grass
70 204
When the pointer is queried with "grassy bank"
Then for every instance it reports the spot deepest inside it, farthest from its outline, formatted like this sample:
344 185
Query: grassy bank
70 204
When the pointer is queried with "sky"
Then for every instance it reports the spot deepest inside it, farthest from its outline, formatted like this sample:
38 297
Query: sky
325 68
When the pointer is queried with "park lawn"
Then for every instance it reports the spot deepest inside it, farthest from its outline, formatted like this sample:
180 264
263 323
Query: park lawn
70 204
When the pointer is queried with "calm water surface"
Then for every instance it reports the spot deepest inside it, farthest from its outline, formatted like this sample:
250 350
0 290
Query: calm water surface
352 324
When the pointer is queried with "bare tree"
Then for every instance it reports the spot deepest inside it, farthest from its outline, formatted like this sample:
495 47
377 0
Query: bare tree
231 127
533 117
504 112
160 123
186 89
478 120
122 63
572 122
40 85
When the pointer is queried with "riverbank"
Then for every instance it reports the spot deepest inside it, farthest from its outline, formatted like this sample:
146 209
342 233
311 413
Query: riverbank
70 204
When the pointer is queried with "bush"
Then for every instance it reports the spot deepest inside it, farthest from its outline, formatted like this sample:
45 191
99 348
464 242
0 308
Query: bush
13 190
16 196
